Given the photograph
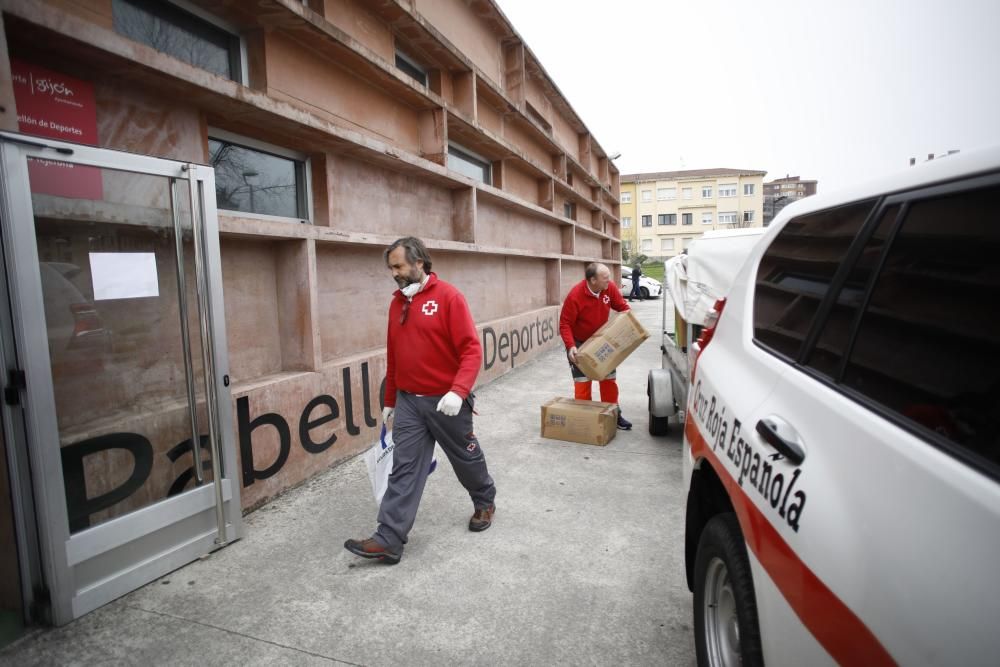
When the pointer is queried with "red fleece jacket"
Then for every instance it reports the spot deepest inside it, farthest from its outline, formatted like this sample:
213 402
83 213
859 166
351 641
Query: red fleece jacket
583 312
437 349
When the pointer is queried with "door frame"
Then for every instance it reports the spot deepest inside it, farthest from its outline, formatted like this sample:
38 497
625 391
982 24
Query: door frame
172 531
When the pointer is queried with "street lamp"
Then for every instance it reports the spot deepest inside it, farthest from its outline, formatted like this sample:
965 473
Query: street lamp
250 174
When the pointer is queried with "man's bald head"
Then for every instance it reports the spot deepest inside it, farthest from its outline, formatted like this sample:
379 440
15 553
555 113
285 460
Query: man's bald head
598 276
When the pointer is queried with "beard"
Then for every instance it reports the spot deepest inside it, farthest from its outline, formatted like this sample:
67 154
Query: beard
414 277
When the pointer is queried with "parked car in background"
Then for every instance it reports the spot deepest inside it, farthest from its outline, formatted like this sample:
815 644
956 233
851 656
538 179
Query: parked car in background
841 449
649 287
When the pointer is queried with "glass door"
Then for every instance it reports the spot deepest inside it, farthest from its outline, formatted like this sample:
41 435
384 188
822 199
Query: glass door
116 292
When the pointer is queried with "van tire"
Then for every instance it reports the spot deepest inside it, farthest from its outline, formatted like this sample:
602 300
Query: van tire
723 588
644 292
658 425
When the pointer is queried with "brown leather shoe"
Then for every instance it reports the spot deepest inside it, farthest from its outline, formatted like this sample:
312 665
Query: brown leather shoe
370 548
482 519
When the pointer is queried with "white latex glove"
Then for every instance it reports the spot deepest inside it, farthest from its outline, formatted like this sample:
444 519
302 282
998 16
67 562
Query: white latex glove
450 404
571 353
387 414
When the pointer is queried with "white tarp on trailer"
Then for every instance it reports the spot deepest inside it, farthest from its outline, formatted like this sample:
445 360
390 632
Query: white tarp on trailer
703 275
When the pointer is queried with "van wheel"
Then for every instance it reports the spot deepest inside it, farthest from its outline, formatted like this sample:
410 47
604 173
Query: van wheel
658 425
725 613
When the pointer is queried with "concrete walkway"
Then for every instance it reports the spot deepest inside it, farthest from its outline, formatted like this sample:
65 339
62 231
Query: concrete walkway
582 566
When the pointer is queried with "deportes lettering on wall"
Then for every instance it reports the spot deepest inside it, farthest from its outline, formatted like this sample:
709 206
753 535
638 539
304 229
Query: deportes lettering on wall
57 106
321 411
507 346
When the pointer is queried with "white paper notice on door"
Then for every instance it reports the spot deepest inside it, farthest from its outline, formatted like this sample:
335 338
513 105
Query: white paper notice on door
123 275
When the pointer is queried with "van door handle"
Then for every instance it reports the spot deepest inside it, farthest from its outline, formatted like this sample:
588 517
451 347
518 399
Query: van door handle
779 434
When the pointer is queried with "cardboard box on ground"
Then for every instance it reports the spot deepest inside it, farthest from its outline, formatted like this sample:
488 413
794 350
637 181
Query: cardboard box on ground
586 422
610 345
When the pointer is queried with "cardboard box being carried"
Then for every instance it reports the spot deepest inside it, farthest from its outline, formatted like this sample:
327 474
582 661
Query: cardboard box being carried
610 345
587 422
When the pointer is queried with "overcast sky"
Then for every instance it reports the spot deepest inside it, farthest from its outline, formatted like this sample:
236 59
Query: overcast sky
839 91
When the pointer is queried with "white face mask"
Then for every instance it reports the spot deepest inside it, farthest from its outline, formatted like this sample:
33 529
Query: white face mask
410 290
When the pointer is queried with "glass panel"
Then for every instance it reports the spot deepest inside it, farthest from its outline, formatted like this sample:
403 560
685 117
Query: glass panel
177 33
108 267
796 271
468 165
253 181
826 357
928 347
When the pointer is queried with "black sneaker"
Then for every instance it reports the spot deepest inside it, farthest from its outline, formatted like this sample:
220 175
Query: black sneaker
371 548
624 424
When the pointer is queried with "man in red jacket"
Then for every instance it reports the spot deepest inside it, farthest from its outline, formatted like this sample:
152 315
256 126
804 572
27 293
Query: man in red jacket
585 311
433 358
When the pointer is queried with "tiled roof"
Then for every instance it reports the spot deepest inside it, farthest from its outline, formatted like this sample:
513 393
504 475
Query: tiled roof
688 174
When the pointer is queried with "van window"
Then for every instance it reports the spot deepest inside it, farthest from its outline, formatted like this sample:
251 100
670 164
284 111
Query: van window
928 346
796 271
827 356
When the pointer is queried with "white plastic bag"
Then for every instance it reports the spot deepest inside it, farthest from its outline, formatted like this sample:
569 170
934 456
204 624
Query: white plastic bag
379 462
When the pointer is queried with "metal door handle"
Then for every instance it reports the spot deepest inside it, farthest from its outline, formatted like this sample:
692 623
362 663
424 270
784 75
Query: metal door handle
779 434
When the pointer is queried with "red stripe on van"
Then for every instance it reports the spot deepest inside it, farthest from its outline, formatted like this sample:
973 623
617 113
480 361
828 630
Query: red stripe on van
832 623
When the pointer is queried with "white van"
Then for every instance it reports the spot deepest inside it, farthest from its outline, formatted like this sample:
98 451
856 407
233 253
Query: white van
841 448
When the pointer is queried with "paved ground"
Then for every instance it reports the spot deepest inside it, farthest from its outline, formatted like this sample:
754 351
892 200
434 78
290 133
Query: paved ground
583 565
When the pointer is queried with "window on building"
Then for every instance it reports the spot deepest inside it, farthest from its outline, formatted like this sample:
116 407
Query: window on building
626 198
409 66
468 163
647 245
706 218
667 219
666 244
686 193
627 245
687 218
647 221
727 190
626 222
253 177
663 194
687 242
748 188
647 195
192 38
569 210
748 216
706 192
727 217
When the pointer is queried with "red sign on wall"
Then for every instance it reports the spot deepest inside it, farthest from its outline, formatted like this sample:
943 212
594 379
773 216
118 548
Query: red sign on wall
53 105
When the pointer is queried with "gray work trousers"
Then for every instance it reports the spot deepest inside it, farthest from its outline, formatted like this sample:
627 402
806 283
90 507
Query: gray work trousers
417 425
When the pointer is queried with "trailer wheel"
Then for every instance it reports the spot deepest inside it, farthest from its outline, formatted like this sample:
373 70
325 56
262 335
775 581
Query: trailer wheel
658 425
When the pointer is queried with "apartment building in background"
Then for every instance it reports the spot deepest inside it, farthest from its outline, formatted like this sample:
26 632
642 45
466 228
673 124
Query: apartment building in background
672 208
627 203
781 192
197 195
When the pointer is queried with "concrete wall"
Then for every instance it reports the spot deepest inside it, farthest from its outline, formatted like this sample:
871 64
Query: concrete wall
468 32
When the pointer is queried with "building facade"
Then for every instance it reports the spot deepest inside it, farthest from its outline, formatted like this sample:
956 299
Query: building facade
673 208
628 203
197 195
781 192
